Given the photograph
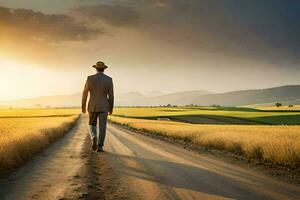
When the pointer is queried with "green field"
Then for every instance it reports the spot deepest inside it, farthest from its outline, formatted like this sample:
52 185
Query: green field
214 115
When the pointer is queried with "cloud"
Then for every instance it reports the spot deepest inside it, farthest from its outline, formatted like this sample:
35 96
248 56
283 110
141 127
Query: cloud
250 30
255 30
39 26
115 15
161 3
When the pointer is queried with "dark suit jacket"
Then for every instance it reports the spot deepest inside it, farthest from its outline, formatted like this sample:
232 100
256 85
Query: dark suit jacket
100 87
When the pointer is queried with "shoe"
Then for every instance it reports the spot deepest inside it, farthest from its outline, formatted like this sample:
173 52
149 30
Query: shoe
94 144
100 149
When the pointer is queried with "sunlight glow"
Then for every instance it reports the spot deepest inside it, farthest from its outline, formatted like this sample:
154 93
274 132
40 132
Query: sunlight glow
20 81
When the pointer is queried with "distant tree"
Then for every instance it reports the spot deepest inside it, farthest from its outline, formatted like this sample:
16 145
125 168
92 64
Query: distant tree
278 104
169 105
216 106
291 106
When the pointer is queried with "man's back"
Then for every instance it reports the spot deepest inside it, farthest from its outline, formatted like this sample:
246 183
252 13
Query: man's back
101 103
100 87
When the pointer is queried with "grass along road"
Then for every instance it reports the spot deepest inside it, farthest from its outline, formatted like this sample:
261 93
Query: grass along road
21 138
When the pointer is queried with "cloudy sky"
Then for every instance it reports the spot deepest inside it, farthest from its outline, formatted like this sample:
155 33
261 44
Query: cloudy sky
47 47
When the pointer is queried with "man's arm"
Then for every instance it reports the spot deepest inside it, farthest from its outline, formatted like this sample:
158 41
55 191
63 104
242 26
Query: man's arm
85 96
111 98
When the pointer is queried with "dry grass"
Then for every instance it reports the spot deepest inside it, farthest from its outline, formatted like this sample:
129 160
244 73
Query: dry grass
279 145
21 138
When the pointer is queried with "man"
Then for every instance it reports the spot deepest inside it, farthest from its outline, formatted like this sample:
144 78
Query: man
101 103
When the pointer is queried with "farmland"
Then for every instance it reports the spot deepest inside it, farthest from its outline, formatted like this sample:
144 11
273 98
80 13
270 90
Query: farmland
25 132
215 115
23 113
252 133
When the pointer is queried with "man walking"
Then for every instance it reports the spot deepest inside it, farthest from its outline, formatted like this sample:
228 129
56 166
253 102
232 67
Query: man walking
101 103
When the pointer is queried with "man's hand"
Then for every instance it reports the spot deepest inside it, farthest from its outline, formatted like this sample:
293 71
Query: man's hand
110 113
83 110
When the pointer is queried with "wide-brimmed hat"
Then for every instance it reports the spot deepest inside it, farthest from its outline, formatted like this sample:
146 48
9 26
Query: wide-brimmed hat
100 65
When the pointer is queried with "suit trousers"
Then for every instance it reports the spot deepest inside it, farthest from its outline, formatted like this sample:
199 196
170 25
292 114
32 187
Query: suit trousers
100 134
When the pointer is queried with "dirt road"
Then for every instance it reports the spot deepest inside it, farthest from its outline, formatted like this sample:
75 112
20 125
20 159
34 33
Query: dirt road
135 167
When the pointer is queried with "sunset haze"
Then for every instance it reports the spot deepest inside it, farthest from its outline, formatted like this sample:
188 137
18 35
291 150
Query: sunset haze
153 45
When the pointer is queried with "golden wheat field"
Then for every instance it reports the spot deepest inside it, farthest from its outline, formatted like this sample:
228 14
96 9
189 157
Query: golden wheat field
5 113
279 145
27 133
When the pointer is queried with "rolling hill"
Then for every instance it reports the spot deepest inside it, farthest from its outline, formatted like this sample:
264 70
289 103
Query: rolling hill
179 98
285 94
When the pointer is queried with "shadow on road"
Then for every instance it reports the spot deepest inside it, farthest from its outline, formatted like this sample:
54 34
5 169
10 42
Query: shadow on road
177 175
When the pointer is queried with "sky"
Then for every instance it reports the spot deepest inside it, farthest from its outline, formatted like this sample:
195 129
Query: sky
47 47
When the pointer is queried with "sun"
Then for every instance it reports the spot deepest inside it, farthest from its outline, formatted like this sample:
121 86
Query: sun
6 63
8 68
16 79
9 77
19 80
